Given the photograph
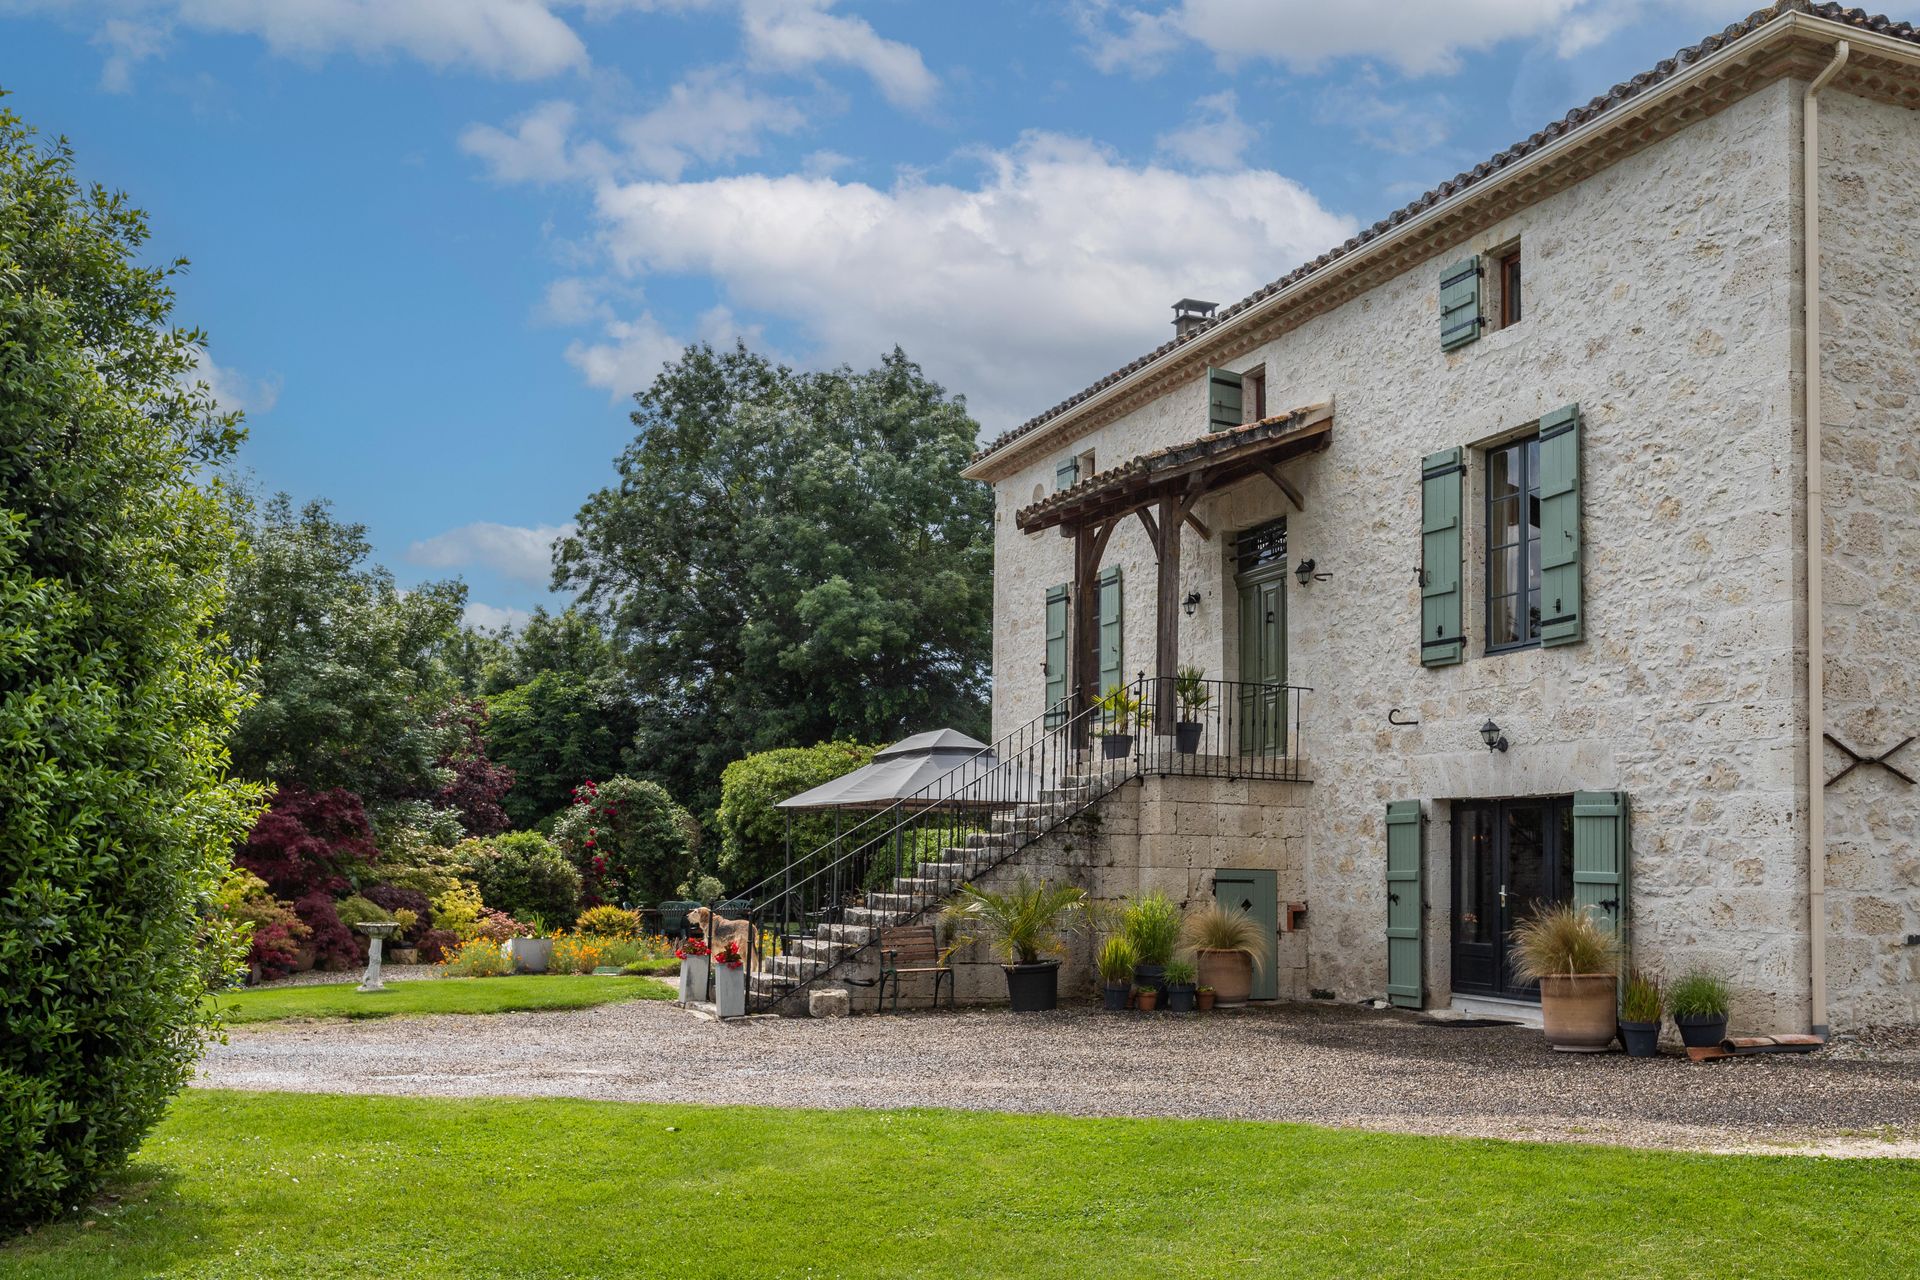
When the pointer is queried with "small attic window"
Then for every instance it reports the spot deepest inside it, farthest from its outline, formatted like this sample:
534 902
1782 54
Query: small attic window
1506 277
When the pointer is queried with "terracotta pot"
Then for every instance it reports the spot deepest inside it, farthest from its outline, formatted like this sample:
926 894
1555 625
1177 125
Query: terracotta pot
1229 973
1144 1000
1578 1010
1204 999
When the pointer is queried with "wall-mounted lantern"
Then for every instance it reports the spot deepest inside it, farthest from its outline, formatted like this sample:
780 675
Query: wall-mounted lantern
1491 735
1192 603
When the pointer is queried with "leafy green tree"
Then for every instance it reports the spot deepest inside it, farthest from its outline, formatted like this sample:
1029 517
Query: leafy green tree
789 557
353 686
116 699
753 832
524 875
628 839
555 732
570 642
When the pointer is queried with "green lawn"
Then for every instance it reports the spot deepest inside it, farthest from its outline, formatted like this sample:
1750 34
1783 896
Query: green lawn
239 1185
438 995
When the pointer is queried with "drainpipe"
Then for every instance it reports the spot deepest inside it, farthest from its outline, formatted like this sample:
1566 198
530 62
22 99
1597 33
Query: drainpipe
1816 520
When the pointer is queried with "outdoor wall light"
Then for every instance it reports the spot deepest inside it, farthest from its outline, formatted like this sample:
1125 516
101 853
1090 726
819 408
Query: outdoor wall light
1191 603
1491 735
1304 572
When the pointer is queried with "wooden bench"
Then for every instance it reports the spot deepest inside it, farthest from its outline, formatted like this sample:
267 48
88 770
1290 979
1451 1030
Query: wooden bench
912 948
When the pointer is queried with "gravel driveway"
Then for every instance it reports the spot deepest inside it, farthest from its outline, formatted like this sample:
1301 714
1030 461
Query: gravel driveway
1316 1063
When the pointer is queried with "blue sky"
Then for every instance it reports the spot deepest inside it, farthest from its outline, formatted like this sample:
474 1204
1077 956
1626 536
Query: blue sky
437 243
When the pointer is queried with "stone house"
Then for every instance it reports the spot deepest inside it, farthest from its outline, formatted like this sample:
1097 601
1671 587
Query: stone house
1489 531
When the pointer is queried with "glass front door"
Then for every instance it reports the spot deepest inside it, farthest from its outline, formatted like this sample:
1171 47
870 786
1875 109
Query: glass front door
1508 856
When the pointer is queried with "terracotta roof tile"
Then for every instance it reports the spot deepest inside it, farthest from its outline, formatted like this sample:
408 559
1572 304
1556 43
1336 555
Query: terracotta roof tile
1878 24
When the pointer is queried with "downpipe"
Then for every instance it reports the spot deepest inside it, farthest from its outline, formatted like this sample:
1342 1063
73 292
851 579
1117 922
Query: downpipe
1816 550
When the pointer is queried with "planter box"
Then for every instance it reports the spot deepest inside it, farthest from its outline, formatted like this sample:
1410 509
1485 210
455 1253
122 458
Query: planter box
730 991
693 979
529 955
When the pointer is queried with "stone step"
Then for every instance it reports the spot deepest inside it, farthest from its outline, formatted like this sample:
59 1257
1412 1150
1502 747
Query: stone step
871 917
850 934
798 967
898 903
826 949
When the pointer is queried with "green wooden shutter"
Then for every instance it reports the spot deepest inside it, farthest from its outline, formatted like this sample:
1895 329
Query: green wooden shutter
1561 620
1442 640
1223 399
1460 303
1056 661
1600 858
1067 474
1406 916
1112 659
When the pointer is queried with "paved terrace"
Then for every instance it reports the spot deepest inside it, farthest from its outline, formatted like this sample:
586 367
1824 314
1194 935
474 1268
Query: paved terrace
1315 1063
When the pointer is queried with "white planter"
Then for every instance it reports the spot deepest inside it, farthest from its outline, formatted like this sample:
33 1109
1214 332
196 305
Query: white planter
693 979
529 955
730 991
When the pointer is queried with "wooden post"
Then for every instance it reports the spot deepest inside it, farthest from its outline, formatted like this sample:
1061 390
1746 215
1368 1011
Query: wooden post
1166 646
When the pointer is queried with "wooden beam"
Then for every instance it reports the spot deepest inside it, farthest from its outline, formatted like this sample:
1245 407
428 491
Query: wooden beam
1089 547
1166 643
1153 530
1200 527
1285 486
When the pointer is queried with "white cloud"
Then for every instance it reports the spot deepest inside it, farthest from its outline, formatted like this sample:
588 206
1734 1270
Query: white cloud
538 150
518 38
491 617
710 116
129 42
1404 124
1419 38
1058 264
1214 137
233 389
513 551
629 356
794 35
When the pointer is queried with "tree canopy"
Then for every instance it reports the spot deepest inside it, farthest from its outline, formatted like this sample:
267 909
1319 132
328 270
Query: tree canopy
789 557
116 814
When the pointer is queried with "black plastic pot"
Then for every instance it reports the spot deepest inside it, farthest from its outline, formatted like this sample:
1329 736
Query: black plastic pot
1180 997
1116 996
1642 1039
1155 976
1116 746
1186 737
1033 987
1701 1030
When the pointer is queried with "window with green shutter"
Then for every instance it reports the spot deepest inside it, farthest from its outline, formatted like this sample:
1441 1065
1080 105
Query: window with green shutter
1442 640
1561 620
1406 908
1600 848
1056 664
1460 319
1225 399
1112 628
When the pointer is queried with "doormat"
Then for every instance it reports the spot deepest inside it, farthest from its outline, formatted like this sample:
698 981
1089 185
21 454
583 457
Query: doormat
1470 1023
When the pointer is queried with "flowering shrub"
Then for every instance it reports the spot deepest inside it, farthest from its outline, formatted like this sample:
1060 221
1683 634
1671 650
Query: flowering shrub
334 946
309 841
583 953
627 838
498 926
693 947
609 922
478 958
730 955
437 944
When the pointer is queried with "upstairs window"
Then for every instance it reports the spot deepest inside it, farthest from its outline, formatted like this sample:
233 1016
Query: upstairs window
1513 545
1253 390
1508 276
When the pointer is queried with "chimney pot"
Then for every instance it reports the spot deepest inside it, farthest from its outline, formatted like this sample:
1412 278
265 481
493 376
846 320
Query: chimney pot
1190 314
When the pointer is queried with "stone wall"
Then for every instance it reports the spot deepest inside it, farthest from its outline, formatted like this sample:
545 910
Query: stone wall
1659 296
1870 322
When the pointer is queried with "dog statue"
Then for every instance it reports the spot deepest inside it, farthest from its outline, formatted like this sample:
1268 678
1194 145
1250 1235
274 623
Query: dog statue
719 931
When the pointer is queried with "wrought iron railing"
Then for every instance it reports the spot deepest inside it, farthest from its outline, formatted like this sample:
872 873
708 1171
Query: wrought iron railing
829 904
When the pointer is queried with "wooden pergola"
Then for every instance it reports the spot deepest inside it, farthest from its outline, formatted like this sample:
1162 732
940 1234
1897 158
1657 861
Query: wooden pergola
1161 489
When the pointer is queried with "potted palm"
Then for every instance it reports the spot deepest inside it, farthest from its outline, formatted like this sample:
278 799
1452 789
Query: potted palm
1574 959
1180 987
1699 1003
1226 946
1151 925
1191 693
1640 1017
1025 928
1116 971
1118 709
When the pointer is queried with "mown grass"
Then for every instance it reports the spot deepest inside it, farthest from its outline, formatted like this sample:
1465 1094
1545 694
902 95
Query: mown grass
263 1186
437 995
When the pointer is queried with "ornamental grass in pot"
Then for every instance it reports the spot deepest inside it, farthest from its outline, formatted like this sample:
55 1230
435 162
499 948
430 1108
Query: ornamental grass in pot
1115 961
1640 1007
1151 925
1699 1004
1226 947
1118 710
1575 960
1180 986
1026 927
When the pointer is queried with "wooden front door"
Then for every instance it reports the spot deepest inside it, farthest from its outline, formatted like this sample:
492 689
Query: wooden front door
1256 892
1508 856
1263 660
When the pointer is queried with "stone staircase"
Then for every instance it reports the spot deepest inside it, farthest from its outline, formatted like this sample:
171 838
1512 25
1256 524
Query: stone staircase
833 948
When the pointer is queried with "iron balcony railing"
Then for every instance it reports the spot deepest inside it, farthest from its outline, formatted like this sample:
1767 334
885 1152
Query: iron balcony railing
892 866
